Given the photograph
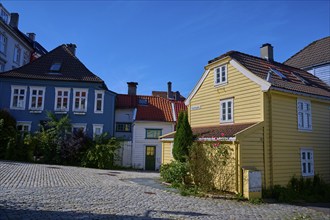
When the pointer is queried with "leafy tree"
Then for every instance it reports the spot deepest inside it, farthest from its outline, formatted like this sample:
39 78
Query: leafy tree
183 138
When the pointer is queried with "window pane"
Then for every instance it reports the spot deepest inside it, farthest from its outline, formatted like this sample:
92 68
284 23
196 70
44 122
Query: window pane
303 155
304 167
309 167
99 105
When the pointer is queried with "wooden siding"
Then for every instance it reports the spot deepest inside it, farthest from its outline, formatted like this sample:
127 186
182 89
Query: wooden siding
247 105
167 152
287 140
322 72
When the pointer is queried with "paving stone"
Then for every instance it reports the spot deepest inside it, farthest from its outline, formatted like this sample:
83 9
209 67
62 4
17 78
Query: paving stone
35 191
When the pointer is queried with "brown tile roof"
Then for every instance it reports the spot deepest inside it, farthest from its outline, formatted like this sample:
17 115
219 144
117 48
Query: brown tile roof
314 54
297 80
156 109
164 95
71 68
229 130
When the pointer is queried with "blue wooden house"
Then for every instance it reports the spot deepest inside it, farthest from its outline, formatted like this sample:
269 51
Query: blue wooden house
58 82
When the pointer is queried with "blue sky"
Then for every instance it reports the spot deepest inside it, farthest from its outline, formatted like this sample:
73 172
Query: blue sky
153 42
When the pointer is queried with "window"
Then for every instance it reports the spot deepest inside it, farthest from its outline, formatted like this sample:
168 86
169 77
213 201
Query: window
23 126
3 43
142 101
18 96
99 101
307 162
2 66
304 113
4 16
26 57
55 67
153 133
80 100
226 110
123 127
220 75
97 129
78 127
37 96
17 54
62 97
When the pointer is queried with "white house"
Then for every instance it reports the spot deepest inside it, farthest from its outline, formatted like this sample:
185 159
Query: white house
140 120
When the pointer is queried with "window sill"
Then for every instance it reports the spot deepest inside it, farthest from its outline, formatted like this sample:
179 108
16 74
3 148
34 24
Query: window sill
61 112
79 113
13 108
98 112
226 122
35 111
305 130
220 85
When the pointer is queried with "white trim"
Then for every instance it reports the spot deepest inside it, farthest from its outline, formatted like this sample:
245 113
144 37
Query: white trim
218 139
167 139
13 87
22 123
37 88
262 83
96 92
74 97
198 85
95 126
220 83
226 101
308 113
307 161
63 89
134 113
173 111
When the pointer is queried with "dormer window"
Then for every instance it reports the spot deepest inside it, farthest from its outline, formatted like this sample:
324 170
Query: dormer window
281 75
55 67
143 101
220 75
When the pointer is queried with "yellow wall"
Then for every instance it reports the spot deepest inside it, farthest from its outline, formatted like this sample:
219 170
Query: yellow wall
247 99
287 141
166 152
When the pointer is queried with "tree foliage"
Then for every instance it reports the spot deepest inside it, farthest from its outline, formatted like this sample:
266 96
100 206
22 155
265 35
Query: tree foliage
183 138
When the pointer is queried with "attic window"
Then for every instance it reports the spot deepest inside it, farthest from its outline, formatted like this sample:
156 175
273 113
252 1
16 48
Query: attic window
300 78
55 67
278 73
143 101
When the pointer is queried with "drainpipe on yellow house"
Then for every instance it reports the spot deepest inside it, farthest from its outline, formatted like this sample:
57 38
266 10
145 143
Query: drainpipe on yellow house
270 139
236 167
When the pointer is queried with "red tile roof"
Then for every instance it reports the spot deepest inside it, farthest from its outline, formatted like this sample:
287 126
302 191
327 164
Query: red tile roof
314 54
260 67
229 130
156 109
71 68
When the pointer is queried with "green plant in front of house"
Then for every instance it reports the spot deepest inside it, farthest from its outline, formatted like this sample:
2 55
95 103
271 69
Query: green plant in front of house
174 172
101 152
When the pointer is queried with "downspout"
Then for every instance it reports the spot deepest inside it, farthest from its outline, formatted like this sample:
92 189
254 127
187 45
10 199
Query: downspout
236 167
270 139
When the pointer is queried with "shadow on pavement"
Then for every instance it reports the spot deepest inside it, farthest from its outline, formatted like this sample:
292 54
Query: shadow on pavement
153 183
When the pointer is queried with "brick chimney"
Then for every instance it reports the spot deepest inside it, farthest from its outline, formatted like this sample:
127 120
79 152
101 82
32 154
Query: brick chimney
266 52
32 36
132 88
14 17
169 90
72 48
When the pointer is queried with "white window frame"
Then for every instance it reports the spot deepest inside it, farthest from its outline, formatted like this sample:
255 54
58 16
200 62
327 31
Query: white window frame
62 89
17 54
26 57
304 152
304 115
3 43
218 75
22 107
98 99
37 88
226 120
95 126
79 125
79 109
24 123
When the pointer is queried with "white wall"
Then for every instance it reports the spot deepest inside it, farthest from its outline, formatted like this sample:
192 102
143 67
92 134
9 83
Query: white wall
140 142
124 115
322 72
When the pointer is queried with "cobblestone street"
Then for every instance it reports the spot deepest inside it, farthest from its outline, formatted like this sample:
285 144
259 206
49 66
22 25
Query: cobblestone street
31 191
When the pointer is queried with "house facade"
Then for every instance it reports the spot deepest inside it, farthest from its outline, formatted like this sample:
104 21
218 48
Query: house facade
275 117
59 83
140 120
314 58
16 48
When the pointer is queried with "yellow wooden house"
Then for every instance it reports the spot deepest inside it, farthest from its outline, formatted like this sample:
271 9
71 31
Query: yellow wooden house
275 117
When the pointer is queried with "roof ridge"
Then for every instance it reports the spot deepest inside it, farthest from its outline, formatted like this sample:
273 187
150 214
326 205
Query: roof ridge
315 41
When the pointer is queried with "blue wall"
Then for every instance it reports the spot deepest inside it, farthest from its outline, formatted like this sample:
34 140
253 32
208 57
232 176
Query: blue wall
90 118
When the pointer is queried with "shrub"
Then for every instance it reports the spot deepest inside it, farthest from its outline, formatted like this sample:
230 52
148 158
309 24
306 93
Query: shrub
101 153
8 135
174 172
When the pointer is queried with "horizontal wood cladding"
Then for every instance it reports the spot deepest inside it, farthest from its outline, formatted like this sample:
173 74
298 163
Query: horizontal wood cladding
247 100
167 152
287 140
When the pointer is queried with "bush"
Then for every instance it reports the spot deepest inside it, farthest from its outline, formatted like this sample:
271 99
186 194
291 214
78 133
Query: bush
101 152
174 172
8 135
